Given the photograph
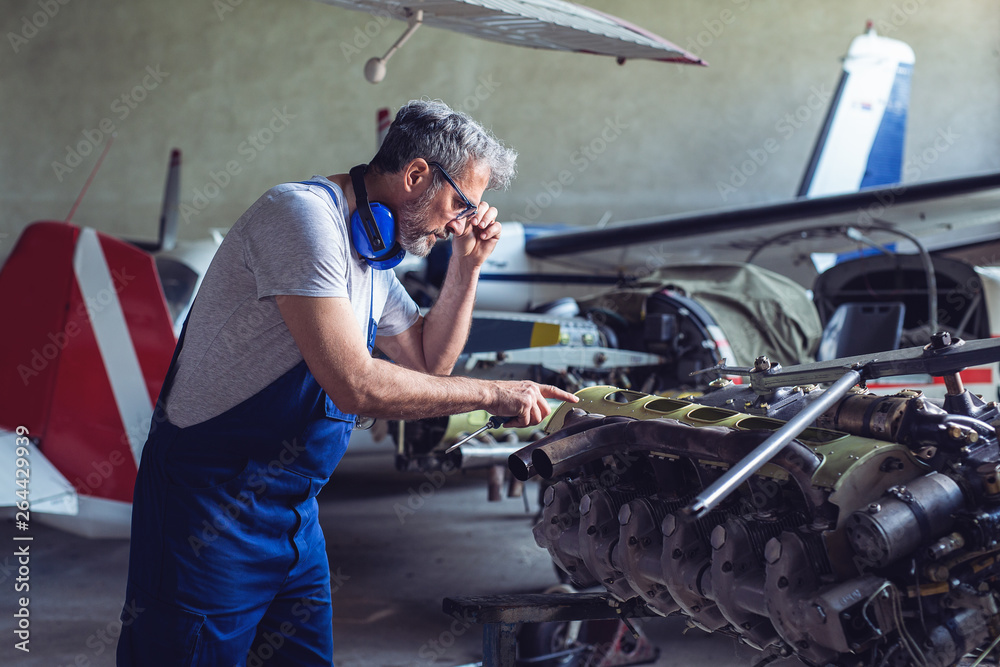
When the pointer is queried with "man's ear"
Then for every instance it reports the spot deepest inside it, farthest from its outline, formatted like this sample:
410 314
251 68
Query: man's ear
417 176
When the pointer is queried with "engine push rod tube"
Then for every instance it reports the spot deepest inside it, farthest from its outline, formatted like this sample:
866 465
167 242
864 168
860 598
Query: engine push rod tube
719 490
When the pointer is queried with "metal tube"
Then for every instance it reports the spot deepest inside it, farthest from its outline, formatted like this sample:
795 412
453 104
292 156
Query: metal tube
481 455
708 499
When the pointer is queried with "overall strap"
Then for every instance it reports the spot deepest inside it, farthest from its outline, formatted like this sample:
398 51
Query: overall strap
172 370
370 340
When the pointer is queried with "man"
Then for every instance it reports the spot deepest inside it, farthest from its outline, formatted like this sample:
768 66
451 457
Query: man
227 556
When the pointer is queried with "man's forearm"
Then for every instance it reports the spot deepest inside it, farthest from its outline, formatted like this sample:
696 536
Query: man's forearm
385 390
446 326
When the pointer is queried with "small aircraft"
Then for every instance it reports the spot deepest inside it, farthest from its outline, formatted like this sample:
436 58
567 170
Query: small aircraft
83 367
539 24
97 329
96 332
856 263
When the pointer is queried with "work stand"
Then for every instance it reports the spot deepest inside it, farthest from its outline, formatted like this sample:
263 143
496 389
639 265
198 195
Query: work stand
500 616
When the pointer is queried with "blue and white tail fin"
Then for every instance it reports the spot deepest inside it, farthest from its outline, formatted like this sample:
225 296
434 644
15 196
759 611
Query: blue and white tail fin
861 143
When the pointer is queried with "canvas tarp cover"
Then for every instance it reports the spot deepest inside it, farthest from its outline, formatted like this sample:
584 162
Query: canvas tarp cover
759 311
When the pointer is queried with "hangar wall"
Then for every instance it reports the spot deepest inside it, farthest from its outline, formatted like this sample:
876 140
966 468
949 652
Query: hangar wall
257 92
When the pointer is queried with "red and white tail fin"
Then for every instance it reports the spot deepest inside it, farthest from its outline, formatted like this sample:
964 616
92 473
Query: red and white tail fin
85 354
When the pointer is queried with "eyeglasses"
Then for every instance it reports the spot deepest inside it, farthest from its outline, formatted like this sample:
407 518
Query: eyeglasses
470 208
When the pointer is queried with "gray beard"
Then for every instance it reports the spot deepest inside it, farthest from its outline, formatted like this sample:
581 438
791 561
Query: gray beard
414 218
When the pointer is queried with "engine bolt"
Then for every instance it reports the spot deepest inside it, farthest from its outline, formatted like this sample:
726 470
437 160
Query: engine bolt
955 431
874 508
625 515
550 496
585 505
772 550
940 339
669 525
761 363
718 537
972 436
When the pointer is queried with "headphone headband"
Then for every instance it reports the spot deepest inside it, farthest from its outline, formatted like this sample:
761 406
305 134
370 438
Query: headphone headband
365 209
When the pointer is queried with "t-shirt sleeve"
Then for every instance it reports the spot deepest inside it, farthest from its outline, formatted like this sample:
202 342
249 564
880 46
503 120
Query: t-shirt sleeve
400 311
296 243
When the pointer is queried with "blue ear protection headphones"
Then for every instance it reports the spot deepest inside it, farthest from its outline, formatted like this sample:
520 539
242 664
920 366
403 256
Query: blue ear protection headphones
373 227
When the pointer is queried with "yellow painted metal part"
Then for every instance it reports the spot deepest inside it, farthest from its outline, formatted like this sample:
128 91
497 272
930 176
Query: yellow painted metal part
544 334
841 452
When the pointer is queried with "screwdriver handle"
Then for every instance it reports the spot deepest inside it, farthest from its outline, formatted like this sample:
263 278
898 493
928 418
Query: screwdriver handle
496 421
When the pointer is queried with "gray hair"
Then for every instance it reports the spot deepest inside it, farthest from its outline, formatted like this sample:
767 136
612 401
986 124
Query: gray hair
434 131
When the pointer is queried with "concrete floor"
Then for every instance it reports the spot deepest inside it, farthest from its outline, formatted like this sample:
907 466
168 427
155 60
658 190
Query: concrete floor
394 573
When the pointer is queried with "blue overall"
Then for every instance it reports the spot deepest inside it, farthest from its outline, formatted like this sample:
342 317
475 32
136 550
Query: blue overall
227 561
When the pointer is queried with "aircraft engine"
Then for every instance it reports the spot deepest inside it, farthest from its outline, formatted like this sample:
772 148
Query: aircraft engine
872 538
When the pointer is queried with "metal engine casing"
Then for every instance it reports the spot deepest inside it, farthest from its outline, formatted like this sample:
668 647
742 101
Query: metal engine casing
876 542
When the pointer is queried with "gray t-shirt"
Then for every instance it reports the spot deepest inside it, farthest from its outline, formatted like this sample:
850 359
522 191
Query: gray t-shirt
293 240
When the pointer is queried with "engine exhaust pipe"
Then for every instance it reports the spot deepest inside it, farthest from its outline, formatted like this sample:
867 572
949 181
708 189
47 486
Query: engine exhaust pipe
520 461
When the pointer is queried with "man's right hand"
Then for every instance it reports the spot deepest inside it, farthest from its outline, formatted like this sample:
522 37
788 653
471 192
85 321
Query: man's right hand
525 402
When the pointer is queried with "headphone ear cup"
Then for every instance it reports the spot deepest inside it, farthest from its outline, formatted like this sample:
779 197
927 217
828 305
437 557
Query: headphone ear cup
385 225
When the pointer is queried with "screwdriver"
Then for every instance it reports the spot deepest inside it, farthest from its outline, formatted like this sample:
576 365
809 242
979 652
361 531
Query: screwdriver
494 422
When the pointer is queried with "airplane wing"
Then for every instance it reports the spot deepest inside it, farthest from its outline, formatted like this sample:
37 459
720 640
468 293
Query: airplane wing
942 214
539 24
44 488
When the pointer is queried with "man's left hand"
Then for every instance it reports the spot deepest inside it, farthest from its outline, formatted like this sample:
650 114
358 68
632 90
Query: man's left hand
482 231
